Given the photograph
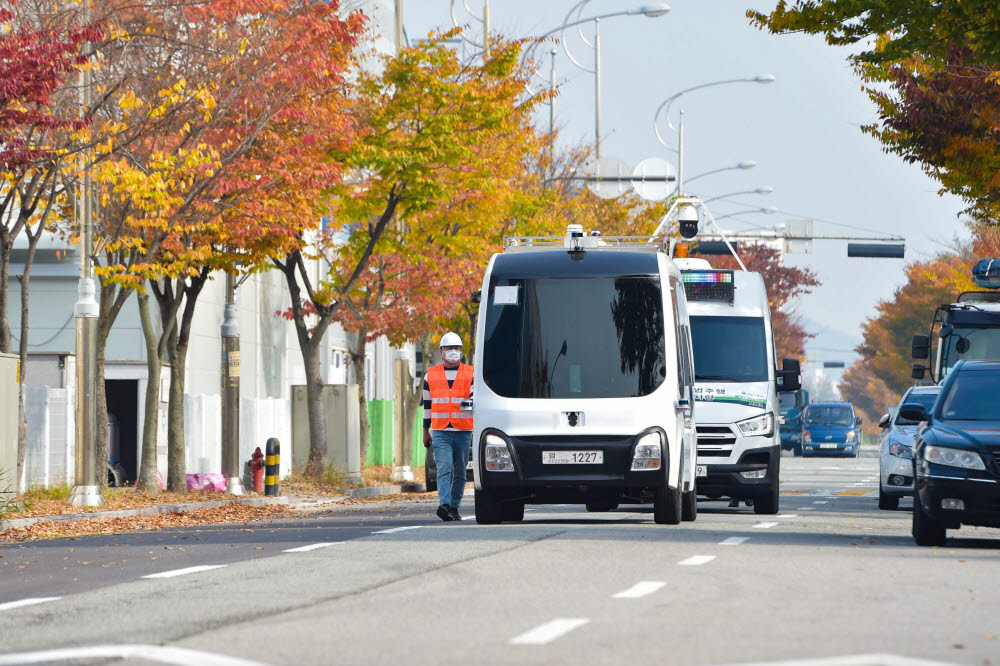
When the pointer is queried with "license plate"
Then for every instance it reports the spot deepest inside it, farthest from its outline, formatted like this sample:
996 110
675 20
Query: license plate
701 470
827 446
572 457
469 466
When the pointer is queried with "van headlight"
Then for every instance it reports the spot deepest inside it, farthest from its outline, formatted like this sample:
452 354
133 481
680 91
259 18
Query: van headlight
497 455
940 455
648 452
851 436
807 436
759 426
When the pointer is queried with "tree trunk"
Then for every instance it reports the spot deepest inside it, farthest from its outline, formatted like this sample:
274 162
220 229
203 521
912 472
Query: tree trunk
25 280
317 419
112 300
358 363
147 469
6 247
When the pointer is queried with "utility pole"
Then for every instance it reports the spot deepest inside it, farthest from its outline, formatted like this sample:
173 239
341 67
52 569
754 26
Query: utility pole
680 156
398 22
231 391
597 89
486 28
402 442
87 488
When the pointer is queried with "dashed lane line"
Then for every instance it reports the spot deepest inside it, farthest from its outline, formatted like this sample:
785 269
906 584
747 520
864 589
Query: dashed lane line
805 508
313 546
697 560
734 541
764 526
183 572
550 631
398 529
21 603
786 515
640 589
821 502
161 654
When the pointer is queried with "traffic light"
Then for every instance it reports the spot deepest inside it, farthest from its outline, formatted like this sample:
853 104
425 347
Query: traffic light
833 364
876 250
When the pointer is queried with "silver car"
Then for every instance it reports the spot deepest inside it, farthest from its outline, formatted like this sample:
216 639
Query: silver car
895 458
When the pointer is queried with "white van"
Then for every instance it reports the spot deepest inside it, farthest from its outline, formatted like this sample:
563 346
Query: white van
583 379
736 384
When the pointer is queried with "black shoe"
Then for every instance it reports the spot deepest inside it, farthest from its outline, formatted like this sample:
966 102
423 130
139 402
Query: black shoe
454 514
444 512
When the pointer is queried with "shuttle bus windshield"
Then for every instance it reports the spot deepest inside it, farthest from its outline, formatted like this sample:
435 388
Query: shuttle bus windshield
729 349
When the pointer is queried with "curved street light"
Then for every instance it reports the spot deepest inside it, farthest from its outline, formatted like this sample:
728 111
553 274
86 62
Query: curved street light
765 189
745 165
768 210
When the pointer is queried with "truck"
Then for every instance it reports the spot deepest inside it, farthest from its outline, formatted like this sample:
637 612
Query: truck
968 329
793 406
736 384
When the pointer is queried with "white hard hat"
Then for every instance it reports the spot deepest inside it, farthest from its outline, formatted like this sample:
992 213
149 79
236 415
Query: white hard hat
450 339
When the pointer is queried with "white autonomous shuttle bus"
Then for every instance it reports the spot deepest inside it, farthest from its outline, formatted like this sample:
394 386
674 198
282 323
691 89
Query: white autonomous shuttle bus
583 379
736 384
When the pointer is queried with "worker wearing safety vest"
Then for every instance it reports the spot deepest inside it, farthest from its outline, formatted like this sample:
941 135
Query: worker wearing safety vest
446 426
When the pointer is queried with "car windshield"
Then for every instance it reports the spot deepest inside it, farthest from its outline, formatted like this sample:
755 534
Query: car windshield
969 344
972 396
729 349
925 399
838 415
786 400
594 337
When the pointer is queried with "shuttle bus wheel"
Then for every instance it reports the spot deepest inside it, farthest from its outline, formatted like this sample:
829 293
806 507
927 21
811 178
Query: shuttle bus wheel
513 512
667 506
488 509
767 503
689 506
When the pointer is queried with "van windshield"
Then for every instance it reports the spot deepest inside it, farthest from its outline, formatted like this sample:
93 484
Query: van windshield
729 349
830 415
594 337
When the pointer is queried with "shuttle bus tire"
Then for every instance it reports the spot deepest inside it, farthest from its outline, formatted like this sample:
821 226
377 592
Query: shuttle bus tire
689 505
767 504
667 506
488 508
512 512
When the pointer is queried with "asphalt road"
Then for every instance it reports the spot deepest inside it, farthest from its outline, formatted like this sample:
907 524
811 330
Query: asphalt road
830 580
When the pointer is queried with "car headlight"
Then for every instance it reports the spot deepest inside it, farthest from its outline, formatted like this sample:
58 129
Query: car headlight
807 436
851 436
900 450
647 452
759 426
940 455
497 454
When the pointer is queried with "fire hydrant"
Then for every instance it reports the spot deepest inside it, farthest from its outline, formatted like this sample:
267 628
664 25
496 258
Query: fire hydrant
257 466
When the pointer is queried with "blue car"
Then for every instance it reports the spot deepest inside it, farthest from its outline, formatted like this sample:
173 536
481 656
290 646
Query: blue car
831 428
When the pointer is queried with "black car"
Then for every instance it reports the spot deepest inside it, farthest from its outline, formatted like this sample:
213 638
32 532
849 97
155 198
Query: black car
957 453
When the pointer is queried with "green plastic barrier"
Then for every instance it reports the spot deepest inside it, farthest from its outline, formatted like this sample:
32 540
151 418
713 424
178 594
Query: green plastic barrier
419 452
380 433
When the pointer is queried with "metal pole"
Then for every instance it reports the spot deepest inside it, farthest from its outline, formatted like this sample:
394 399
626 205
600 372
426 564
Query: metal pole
399 26
552 94
231 391
680 156
597 88
86 490
486 28
402 440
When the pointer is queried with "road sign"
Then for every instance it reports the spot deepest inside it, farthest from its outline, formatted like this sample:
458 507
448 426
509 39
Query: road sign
798 237
613 177
643 179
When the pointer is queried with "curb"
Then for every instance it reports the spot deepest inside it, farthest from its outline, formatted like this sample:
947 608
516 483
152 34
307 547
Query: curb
376 491
146 511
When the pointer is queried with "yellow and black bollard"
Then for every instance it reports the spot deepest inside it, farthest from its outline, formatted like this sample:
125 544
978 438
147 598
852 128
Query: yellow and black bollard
272 468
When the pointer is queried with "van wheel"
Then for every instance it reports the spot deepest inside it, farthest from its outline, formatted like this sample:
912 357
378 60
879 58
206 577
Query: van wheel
887 502
601 507
667 506
689 506
513 512
926 531
767 504
488 508
797 450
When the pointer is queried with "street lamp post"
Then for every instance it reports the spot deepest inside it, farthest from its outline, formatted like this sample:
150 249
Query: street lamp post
231 391
767 210
745 165
765 189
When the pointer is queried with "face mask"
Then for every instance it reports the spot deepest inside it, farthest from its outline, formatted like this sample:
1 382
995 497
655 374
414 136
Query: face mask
453 356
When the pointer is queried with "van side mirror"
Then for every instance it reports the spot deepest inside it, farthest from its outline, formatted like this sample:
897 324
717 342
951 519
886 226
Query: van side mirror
920 347
918 371
912 411
791 379
857 420
476 297
884 421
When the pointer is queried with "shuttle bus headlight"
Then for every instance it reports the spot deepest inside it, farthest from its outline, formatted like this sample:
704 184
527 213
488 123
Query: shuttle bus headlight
648 452
759 426
497 455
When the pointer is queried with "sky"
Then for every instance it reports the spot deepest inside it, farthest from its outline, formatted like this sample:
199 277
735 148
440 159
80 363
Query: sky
803 130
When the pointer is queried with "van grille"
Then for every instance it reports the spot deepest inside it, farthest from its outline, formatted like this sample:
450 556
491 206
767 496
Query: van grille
715 441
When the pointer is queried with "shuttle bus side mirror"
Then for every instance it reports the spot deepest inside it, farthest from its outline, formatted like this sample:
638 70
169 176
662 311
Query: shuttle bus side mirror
920 347
790 375
918 371
884 421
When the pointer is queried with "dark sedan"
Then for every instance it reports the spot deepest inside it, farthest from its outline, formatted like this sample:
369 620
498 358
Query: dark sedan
957 454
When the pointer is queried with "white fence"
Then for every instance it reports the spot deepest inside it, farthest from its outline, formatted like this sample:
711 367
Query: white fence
50 447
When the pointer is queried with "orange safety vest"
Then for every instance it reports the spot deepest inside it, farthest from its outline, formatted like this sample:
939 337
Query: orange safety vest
446 403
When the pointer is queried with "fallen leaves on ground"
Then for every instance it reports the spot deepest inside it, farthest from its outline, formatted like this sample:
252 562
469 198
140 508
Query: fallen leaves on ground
115 499
398 497
230 513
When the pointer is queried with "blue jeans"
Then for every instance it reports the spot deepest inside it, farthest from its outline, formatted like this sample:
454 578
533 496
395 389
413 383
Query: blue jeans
451 454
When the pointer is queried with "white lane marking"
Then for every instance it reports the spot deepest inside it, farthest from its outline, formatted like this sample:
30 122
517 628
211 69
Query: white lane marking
640 589
764 526
398 529
313 546
829 468
805 508
820 502
20 603
786 515
734 541
697 560
155 653
548 632
853 660
183 572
